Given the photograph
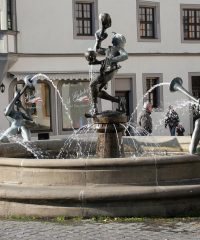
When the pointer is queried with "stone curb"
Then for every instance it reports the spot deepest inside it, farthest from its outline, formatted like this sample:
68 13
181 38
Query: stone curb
95 162
96 193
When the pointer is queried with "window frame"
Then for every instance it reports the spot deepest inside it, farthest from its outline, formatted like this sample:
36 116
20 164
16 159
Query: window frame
145 76
182 8
156 7
94 24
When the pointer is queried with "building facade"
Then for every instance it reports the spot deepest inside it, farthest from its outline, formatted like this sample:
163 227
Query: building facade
50 37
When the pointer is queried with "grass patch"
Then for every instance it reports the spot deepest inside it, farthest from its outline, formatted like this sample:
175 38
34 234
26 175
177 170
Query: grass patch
20 218
101 219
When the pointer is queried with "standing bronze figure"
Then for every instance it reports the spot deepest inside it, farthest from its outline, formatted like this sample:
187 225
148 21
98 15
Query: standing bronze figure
108 66
18 116
176 85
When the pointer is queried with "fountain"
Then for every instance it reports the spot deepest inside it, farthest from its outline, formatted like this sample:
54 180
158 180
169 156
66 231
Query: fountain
108 185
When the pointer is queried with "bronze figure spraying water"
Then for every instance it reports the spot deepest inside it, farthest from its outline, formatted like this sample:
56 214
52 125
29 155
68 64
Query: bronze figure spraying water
19 117
109 66
176 85
108 123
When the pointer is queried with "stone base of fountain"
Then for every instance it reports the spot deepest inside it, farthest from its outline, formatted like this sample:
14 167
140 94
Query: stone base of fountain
141 186
161 186
110 131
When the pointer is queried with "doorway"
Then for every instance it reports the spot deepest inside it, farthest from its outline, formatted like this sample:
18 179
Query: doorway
195 82
125 88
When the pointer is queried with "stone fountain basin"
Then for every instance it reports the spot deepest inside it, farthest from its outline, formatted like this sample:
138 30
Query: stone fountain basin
139 186
145 186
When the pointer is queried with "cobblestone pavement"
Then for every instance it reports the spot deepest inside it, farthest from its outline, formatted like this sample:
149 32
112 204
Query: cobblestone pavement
86 229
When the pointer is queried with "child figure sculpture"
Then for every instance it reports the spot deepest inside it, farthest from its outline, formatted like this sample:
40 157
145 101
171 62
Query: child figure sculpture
109 66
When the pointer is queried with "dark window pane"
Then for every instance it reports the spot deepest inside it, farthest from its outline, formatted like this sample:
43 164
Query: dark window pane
9 15
154 95
147 22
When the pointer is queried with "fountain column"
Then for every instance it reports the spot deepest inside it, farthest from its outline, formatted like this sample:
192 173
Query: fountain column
110 131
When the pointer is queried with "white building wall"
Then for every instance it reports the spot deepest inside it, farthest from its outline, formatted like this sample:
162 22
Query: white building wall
46 27
170 67
176 67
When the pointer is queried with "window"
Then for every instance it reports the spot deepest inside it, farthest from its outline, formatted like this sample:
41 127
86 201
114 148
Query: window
148 21
77 103
40 112
85 22
191 24
10 14
152 96
155 96
84 19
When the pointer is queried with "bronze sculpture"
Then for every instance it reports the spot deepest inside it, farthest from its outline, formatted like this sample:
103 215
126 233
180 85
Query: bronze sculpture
109 66
19 117
176 85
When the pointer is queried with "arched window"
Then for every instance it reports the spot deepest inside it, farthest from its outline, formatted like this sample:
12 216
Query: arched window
40 111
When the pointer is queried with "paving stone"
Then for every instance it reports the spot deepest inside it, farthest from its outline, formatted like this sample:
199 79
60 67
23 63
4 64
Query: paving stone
85 230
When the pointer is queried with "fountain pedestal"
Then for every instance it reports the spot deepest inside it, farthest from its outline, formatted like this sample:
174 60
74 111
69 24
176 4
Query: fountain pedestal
109 125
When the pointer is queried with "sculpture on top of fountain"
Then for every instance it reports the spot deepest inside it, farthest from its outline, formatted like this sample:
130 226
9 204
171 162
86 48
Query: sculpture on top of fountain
176 85
109 66
18 115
